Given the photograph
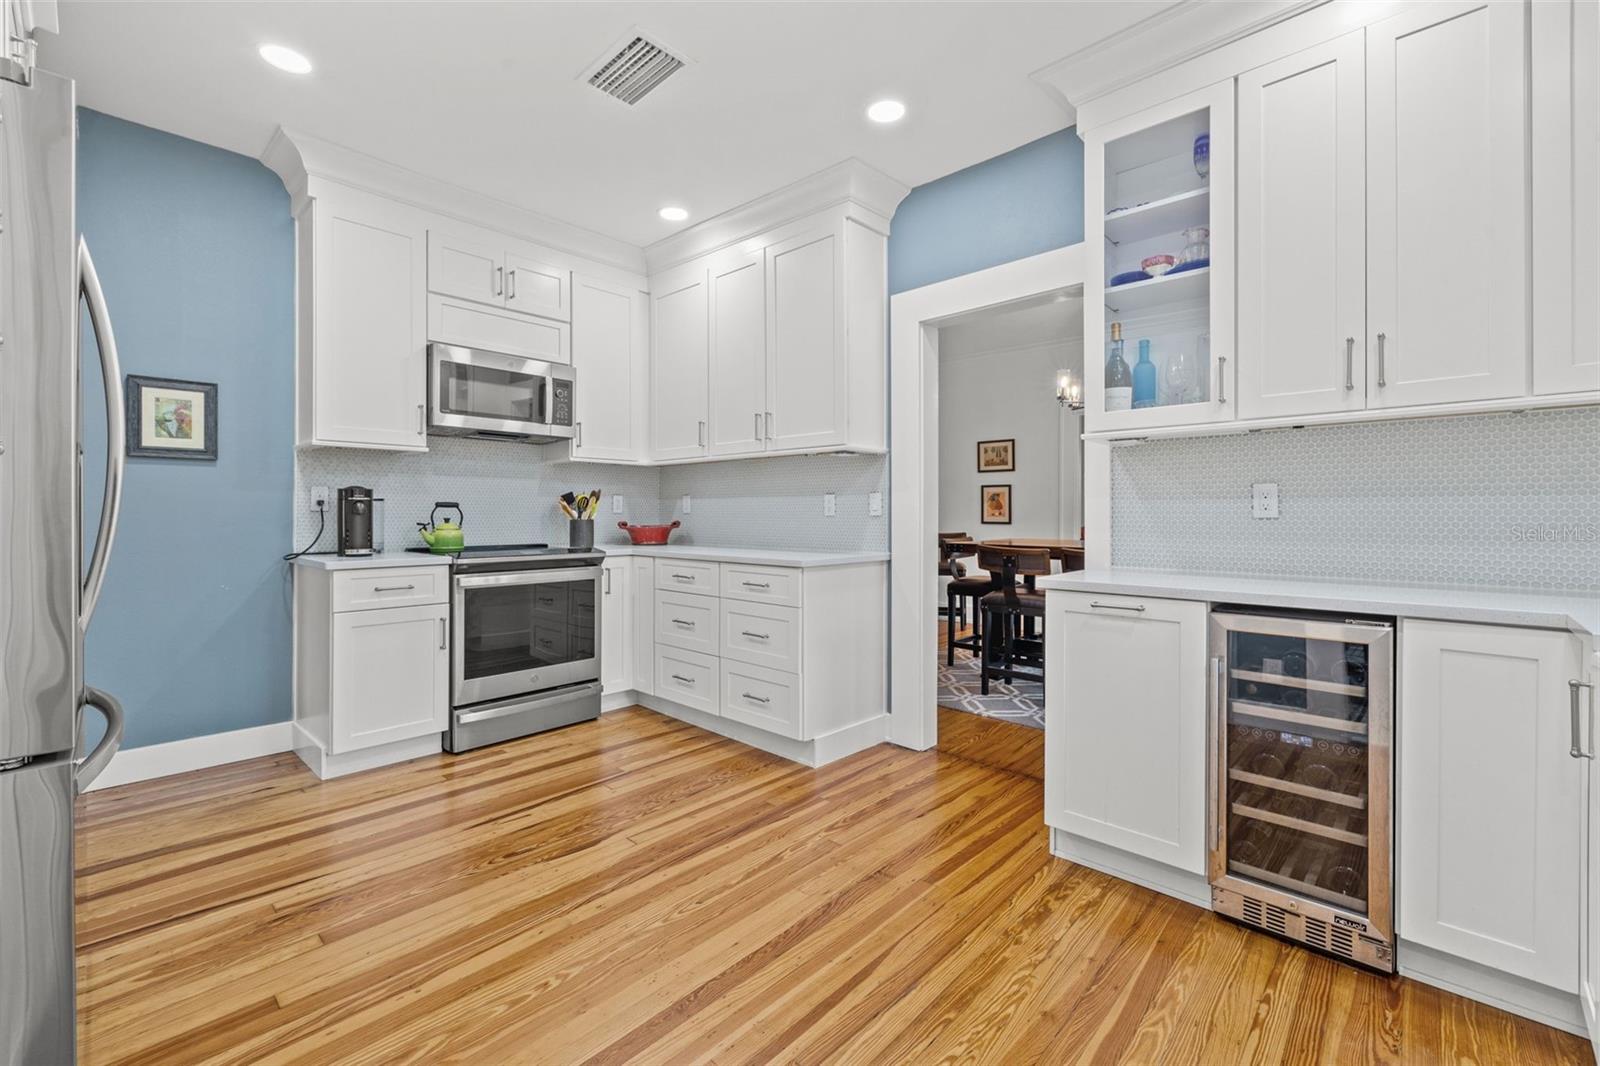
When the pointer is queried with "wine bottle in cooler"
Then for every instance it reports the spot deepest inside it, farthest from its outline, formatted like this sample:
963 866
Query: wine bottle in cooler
1119 379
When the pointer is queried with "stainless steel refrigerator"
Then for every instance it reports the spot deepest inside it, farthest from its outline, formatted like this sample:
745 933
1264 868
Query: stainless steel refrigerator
47 593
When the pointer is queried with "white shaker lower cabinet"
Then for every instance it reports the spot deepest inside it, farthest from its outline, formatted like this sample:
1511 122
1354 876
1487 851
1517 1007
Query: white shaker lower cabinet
1125 729
616 626
372 665
1583 698
1489 801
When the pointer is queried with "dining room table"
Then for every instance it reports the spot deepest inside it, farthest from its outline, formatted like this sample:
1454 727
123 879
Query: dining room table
1067 552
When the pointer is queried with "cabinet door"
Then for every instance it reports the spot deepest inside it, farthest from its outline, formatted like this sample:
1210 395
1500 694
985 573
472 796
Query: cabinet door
537 288
466 267
1447 261
807 359
1566 205
610 334
642 592
738 343
370 311
679 390
391 676
1125 725
1589 970
1302 233
1489 797
616 627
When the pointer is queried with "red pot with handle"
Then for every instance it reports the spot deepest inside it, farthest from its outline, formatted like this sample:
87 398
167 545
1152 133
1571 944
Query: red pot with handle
648 534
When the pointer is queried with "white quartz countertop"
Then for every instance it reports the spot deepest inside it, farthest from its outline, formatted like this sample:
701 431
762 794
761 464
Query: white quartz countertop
704 553
1579 612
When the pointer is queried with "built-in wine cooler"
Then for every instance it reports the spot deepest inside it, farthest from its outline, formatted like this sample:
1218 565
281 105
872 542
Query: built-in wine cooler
1301 819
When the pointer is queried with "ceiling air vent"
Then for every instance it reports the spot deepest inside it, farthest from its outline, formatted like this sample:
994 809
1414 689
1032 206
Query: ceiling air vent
637 67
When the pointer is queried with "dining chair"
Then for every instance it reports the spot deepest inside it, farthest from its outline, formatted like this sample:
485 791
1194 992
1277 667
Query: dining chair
1004 611
961 588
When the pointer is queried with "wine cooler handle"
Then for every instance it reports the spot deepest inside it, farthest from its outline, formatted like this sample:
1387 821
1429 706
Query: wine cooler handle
1214 752
1577 751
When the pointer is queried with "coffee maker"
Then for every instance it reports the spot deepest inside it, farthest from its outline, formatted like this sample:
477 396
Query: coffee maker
355 520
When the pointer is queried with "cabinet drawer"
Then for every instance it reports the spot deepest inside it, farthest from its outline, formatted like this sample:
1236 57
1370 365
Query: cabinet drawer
763 634
765 584
401 586
766 699
688 622
452 321
673 575
688 678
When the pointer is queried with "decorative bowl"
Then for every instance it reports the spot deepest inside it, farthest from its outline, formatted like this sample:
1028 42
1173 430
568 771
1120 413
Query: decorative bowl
648 534
1157 265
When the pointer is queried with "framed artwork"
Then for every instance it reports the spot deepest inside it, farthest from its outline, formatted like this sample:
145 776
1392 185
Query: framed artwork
995 505
997 456
170 419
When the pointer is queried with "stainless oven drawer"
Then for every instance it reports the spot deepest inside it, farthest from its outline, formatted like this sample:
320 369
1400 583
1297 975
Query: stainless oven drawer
490 723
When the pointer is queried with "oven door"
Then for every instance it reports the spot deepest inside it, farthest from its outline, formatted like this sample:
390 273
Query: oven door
477 392
524 631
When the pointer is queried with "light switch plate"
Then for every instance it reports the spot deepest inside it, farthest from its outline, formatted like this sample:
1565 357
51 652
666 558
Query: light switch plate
1264 499
616 505
683 504
830 504
875 504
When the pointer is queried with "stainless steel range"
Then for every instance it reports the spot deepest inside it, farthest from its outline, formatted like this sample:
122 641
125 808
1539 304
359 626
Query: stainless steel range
525 648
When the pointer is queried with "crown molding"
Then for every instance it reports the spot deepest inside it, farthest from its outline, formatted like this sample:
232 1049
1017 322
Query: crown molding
873 194
302 161
1164 40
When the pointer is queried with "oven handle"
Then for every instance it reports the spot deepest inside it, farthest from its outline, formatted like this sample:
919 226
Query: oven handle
528 577
521 706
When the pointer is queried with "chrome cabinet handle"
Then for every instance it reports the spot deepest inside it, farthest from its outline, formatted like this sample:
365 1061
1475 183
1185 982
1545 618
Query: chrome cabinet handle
682 680
769 425
683 577
755 636
1222 379
444 634
758 425
1577 751
607 575
1117 606
422 423
511 284
577 430
681 622
1382 361
755 699
116 439
755 584
702 433
1213 744
393 588
499 281
1349 364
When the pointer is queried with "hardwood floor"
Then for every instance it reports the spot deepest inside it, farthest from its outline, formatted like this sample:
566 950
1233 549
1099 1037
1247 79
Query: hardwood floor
636 890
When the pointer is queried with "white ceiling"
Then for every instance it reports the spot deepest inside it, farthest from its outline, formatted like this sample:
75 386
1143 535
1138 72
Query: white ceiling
487 96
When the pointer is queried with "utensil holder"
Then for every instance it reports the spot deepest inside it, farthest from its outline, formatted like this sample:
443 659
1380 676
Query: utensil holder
580 532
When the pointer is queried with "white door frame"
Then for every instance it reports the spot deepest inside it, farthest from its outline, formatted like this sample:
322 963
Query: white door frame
914 319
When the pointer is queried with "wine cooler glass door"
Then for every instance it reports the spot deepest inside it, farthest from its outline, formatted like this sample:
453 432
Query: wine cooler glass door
1303 725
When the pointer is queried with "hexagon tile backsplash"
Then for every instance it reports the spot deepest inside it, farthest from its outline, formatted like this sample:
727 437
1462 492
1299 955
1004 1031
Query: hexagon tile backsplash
1504 500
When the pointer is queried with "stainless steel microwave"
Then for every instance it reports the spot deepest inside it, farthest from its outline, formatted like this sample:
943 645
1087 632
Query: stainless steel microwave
475 393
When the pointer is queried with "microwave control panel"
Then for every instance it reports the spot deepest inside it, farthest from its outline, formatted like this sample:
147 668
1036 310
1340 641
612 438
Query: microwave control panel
561 403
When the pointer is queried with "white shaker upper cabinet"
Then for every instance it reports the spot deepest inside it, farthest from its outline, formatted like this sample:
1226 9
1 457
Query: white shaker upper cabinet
679 388
364 325
738 353
1489 797
610 334
466 267
1302 242
536 288
1446 202
808 368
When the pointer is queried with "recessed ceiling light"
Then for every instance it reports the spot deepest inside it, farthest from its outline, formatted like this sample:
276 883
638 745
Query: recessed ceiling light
285 58
673 214
887 111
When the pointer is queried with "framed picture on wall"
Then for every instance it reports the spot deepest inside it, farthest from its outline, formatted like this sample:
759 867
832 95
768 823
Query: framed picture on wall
171 419
995 505
997 456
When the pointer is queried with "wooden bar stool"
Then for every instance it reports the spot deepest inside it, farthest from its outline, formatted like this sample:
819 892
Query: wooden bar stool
1004 612
960 589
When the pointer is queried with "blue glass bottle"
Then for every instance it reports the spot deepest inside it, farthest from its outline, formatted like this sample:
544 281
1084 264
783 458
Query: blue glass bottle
1144 378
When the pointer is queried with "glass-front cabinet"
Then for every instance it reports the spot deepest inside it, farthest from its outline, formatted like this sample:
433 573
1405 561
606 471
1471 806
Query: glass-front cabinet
1159 302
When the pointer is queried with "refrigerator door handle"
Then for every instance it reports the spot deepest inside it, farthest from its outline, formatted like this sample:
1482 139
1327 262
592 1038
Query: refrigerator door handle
91 765
116 444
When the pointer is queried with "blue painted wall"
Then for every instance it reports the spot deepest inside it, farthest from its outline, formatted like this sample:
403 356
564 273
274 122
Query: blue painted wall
195 249
1027 201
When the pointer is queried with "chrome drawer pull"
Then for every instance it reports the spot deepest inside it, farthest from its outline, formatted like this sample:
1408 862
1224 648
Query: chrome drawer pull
393 588
684 624
683 577
1116 606
683 680
755 636
756 699
756 584
1577 751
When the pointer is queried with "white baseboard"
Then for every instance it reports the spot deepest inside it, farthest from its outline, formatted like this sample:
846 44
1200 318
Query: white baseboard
195 753
844 742
1156 876
615 701
819 752
327 766
1516 995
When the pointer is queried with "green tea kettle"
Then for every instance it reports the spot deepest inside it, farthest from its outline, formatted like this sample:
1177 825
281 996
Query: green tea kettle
443 538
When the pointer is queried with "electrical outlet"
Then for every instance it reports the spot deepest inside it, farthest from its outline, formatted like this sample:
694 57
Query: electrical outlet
319 497
616 505
875 504
830 504
683 504
1264 499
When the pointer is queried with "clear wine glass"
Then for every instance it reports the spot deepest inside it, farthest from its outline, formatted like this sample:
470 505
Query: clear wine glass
1180 376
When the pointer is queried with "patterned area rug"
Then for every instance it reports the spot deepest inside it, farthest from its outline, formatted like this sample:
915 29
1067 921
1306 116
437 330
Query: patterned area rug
960 689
